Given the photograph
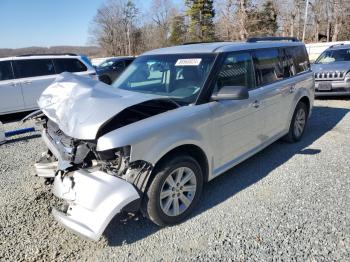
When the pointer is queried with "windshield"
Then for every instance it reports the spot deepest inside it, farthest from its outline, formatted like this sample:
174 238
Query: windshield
177 76
106 63
331 56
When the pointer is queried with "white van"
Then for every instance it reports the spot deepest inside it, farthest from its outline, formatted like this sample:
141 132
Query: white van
24 78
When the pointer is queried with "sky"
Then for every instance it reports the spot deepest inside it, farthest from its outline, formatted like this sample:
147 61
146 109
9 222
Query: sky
25 23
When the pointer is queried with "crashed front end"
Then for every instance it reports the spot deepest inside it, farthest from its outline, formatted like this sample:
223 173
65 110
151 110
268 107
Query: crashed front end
95 185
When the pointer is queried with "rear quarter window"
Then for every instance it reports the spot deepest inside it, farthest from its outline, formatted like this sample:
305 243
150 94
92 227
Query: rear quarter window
5 70
33 67
68 65
300 58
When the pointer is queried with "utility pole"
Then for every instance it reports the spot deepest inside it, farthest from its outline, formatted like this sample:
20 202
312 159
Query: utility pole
305 19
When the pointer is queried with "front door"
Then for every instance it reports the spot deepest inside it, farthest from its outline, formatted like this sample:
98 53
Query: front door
11 98
237 124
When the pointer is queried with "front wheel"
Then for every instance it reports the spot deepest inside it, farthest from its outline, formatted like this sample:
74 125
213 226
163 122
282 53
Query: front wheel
298 123
174 191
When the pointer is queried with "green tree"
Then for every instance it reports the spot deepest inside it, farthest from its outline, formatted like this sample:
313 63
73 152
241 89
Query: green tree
263 21
201 24
178 30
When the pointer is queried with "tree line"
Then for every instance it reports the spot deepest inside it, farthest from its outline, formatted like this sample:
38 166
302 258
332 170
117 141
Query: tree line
120 27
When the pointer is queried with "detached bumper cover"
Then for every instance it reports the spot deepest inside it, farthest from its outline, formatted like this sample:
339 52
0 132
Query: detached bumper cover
94 198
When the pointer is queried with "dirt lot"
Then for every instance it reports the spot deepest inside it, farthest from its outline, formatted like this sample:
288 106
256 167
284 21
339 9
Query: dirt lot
289 202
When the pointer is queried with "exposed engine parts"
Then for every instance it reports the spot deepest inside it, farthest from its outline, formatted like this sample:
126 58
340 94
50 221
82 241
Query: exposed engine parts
136 173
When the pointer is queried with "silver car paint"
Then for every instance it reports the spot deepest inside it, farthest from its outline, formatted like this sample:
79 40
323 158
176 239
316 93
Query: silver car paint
228 132
341 85
91 208
214 126
80 105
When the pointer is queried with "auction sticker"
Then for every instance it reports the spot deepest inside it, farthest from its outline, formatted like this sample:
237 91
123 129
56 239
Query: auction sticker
188 62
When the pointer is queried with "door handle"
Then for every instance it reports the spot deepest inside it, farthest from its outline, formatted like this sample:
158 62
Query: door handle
12 84
292 89
256 104
27 82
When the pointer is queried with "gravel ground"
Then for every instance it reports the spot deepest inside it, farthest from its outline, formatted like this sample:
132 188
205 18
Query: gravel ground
289 202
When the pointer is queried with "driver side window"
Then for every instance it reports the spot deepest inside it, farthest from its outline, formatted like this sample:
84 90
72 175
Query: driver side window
237 70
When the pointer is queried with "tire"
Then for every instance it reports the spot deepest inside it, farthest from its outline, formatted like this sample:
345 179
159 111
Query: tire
105 79
154 207
296 128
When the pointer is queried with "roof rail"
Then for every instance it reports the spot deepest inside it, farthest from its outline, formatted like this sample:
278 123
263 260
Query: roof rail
67 54
272 38
336 45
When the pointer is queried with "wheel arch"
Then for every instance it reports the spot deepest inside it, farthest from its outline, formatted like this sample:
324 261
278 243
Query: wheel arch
187 149
306 101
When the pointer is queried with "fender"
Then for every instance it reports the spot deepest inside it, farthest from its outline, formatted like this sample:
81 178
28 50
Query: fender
151 138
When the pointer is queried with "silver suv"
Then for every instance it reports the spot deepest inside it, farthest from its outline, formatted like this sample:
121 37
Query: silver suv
176 118
332 71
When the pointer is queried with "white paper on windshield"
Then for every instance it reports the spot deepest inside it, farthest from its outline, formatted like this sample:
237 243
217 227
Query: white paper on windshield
188 62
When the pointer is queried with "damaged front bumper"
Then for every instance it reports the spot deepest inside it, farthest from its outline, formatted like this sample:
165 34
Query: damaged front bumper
93 198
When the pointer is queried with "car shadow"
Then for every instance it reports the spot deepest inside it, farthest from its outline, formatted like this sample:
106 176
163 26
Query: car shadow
15 117
247 173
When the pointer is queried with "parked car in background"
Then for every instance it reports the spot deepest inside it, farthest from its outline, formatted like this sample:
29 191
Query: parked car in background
176 118
332 71
110 69
24 78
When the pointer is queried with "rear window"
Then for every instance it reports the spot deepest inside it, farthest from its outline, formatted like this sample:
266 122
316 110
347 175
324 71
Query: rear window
268 67
5 70
68 65
33 67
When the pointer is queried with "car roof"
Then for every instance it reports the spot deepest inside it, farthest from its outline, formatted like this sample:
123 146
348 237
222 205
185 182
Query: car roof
120 58
339 46
26 57
219 47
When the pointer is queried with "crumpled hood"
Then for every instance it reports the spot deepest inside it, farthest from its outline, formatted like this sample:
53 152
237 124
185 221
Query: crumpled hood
336 66
80 105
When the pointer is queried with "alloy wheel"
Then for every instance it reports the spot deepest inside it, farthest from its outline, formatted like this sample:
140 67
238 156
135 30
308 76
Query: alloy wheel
178 191
299 123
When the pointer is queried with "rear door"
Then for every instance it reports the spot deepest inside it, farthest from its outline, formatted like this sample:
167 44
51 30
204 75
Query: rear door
273 91
35 75
11 98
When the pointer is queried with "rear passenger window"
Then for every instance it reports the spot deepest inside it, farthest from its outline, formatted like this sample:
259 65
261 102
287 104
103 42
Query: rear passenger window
268 67
237 70
5 70
300 58
68 65
287 63
33 67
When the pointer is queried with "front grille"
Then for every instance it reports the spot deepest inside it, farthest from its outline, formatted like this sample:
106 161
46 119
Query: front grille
330 75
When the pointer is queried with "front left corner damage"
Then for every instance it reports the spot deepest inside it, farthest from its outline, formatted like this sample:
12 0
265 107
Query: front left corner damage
93 198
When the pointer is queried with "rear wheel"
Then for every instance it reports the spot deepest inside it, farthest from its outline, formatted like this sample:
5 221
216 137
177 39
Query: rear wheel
174 191
298 124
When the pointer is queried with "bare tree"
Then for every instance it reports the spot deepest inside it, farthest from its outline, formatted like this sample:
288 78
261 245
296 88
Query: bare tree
112 26
163 12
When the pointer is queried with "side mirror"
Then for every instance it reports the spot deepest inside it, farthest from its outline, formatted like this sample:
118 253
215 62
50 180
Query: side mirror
231 93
